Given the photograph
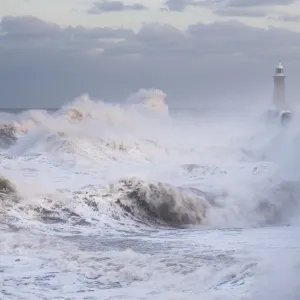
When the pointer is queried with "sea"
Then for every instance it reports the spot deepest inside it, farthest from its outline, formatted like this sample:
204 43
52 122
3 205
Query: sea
136 200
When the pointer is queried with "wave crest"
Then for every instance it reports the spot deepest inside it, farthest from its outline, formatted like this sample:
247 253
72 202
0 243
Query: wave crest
7 135
153 99
6 187
151 203
159 202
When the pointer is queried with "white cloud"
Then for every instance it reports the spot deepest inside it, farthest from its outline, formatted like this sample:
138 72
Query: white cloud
105 6
251 3
181 5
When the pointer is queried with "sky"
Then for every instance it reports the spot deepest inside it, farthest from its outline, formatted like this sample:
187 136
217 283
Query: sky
197 51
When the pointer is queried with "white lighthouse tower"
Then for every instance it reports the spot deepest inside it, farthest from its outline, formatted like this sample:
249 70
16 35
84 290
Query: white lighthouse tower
279 89
279 100
282 109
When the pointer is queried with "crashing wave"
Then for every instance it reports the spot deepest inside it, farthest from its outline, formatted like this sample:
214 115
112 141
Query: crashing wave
275 117
159 202
149 203
101 132
75 114
153 204
6 187
46 208
12 130
84 107
8 196
72 128
7 135
279 203
152 99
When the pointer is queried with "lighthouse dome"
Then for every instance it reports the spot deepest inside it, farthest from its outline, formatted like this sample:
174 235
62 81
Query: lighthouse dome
279 70
279 66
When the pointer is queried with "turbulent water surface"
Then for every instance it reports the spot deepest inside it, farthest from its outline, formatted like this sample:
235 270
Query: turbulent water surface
134 201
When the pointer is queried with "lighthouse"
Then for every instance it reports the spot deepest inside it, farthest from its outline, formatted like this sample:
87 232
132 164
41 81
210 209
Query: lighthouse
282 110
279 89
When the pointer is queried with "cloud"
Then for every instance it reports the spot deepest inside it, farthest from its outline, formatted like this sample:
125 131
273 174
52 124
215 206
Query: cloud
285 17
181 5
114 6
27 26
251 3
245 8
43 64
240 12
29 32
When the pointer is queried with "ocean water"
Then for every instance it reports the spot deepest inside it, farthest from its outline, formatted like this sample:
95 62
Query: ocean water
138 201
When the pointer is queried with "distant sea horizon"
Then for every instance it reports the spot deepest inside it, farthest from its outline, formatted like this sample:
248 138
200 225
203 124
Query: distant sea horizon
18 110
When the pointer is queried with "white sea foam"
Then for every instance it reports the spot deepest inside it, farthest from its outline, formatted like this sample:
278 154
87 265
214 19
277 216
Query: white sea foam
124 198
